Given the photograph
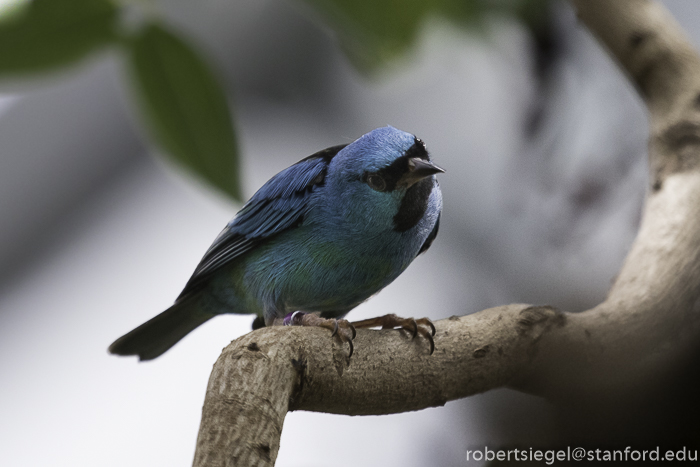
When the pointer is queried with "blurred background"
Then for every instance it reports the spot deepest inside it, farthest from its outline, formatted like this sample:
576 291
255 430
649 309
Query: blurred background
542 138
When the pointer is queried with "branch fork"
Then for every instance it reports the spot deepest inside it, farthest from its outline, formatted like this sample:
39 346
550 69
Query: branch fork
645 326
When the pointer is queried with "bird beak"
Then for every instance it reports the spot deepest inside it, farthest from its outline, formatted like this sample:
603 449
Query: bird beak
418 169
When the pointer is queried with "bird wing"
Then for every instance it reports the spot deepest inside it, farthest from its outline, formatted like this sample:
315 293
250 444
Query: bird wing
279 204
433 233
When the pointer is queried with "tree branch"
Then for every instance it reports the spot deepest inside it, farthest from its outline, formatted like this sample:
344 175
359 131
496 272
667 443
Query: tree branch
643 329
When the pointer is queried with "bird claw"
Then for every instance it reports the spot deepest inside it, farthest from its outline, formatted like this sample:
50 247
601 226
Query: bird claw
414 326
339 327
432 342
346 332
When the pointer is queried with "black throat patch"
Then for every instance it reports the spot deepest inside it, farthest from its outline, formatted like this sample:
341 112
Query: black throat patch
415 201
413 205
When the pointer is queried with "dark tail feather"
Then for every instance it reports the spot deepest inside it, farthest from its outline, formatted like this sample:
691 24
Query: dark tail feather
157 335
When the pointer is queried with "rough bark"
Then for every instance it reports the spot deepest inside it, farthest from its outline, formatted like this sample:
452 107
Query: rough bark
644 329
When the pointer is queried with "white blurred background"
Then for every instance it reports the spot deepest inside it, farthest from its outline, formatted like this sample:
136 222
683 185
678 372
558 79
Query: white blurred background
546 174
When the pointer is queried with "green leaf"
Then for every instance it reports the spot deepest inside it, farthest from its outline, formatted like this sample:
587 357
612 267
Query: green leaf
46 34
373 32
185 107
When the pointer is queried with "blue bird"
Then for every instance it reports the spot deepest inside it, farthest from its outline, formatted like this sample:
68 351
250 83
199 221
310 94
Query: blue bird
318 239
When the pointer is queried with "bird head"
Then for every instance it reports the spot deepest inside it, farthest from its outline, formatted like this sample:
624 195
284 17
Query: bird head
385 177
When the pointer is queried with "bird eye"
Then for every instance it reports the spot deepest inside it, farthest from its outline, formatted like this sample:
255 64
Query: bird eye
376 182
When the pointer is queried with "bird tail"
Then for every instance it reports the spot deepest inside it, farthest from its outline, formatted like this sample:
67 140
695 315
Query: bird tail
157 335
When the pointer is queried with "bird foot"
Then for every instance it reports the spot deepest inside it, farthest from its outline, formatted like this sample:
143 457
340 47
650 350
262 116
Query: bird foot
422 326
338 327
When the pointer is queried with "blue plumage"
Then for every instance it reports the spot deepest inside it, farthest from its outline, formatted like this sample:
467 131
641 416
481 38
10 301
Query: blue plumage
323 235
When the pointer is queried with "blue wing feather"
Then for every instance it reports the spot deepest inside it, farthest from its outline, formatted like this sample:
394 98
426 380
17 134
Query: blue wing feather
278 205
433 233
